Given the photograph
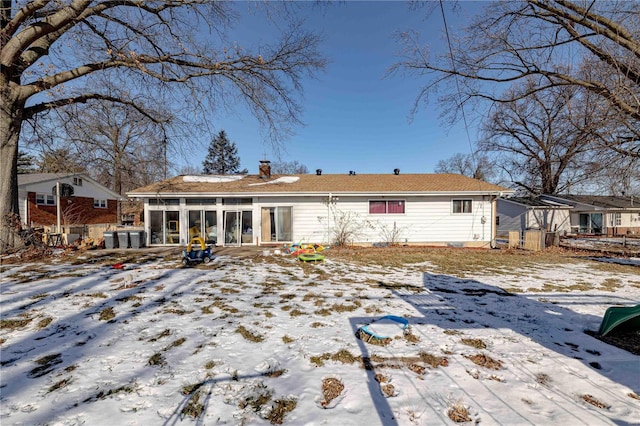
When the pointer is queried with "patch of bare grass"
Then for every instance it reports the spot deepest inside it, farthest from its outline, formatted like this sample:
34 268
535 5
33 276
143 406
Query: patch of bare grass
433 360
258 399
157 359
458 261
280 409
343 356
543 379
593 401
484 360
287 339
39 296
12 324
44 322
475 343
97 295
610 284
331 389
248 335
130 388
194 407
459 413
176 343
164 333
107 314
59 385
45 365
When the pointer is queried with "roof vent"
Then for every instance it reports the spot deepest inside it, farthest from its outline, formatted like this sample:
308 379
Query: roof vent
318 172
352 173
396 172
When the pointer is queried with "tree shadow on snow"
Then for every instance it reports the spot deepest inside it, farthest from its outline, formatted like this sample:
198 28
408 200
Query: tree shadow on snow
456 305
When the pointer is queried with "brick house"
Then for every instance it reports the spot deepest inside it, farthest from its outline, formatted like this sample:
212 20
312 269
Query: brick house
83 201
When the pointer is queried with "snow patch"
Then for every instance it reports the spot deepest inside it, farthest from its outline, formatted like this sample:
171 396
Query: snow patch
283 179
212 178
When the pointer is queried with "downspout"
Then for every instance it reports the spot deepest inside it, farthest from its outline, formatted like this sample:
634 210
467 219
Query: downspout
58 209
328 220
494 215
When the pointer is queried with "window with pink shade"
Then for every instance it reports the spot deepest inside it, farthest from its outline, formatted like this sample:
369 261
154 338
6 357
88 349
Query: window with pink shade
386 207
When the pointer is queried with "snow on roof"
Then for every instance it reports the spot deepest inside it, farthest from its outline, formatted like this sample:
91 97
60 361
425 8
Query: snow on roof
283 179
212 178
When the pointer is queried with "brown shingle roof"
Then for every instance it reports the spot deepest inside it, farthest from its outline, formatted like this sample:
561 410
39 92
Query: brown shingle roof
322 184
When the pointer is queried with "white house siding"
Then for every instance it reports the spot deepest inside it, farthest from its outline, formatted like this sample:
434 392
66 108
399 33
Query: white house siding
22 205
553 220
426 219
511 216
86 190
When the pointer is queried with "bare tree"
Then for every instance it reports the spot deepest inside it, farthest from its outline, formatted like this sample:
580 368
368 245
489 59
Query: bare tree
52 54
288 168
552 42
537 139
60 160
472 165
118 144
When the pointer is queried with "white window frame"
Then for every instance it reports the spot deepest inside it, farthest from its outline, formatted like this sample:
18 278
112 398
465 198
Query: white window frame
45 199
77 181
463 203
99 203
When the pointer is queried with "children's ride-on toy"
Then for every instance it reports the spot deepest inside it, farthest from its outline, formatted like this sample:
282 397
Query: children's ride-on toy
197 251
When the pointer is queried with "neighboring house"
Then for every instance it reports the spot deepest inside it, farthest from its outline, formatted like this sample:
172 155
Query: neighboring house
83 201
434 209
575 214
602 214
532 213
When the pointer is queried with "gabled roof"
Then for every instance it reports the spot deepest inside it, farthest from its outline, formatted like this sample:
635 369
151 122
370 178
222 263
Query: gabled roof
29 178
610 202
320 184
26 179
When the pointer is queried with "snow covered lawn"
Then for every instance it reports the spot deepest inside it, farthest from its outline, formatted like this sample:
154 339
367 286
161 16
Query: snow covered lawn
270 340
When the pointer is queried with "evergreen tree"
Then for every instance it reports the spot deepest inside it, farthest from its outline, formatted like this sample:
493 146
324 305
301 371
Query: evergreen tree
25 163
222 158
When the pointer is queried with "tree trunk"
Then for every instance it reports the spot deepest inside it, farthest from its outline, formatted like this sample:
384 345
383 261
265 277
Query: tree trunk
10 123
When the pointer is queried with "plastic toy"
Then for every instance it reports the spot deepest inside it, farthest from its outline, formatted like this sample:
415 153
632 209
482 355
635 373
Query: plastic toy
197 251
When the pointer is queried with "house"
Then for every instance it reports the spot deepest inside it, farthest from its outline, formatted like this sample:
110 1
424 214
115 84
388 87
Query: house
532 213
602 214
435 209
570 214
82 200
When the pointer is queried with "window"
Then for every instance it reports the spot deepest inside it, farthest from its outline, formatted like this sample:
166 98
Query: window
617 217
199 201
590 223
99 204
45 200
276 223
77 181
386 206
462 206
236 201
164 201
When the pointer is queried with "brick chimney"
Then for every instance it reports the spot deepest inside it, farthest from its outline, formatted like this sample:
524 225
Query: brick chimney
265 169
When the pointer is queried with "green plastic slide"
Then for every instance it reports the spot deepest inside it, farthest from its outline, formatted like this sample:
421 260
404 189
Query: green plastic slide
620 318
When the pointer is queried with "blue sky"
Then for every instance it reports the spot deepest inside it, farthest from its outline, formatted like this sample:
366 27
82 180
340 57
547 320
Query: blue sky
355 117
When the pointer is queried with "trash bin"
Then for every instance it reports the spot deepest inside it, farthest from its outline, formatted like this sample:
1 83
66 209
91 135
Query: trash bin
136 239
123 239
110 241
